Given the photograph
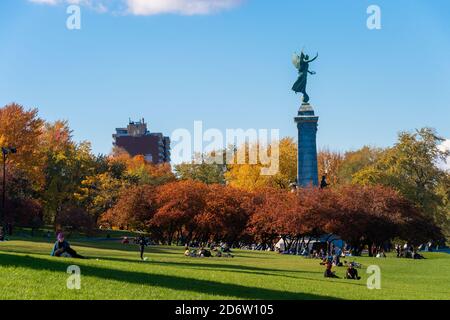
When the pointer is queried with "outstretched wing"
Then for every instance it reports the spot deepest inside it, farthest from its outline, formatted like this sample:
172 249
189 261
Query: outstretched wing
296 60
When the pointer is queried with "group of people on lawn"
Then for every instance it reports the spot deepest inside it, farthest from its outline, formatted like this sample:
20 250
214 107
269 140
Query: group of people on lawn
351 272
202 252
407 251
62 248
333 258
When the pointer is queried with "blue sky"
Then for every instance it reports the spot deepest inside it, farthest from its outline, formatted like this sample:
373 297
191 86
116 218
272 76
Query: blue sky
229 65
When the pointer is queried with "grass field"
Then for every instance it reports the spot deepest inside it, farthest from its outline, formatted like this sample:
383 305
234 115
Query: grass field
115 272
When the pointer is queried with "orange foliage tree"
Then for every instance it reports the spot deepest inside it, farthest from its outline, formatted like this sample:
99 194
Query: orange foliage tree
226 214
178 205
134 209
22 129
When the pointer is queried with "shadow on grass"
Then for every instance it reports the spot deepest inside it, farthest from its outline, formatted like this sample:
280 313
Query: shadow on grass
255 271
208 262
220 268
209 265
158 280
158 249
116 245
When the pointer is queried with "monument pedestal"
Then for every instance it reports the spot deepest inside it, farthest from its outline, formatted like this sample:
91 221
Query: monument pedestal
307 170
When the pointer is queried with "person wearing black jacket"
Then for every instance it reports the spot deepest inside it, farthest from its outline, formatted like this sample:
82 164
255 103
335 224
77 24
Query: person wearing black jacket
142 242
62 248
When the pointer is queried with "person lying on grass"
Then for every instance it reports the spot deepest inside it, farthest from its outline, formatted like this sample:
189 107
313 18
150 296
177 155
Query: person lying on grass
62 248
222 253
202 252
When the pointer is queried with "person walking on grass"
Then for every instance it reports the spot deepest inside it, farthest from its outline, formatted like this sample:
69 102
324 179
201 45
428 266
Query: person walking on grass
142 242
62 248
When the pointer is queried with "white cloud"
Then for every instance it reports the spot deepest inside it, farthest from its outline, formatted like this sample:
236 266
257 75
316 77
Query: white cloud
51 2
184 7
151 7
97 5
445 146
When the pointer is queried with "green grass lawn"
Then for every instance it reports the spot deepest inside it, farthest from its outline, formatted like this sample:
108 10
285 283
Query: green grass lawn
28 272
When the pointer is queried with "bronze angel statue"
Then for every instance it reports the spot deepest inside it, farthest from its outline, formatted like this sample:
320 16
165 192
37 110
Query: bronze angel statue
302 64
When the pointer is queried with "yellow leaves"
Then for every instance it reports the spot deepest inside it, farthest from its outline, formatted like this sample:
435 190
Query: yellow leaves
22 129
56 136
248 176
330 163
146 172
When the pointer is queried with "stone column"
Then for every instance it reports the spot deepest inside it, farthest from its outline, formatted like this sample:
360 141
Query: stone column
307 171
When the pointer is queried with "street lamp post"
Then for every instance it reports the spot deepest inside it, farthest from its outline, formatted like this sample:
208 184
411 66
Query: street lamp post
5 152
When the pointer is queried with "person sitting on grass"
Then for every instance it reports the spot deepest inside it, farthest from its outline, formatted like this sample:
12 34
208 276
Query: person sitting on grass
381 254
188 252
416 255
62 248
352 273
328 272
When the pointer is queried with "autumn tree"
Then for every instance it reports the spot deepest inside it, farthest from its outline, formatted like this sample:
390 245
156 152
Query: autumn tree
287 172
226 214
74 218
24 212
443 192
99 192
275 215
329 165
178 205
21 128
410 167
375 215
67 164
140 170
134 210
355 161
204 168
249 175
